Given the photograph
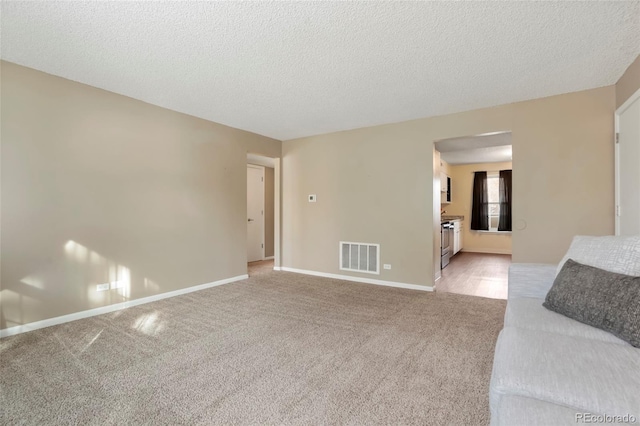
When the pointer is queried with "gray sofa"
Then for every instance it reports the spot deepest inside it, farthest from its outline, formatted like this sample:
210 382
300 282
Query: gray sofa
551 370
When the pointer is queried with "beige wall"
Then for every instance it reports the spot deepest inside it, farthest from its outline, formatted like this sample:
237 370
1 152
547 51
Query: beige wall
268 211
376 184
461 200
97 187
629 83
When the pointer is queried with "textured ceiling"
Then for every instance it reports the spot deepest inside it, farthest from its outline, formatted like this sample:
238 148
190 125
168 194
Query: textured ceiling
288 70
490 148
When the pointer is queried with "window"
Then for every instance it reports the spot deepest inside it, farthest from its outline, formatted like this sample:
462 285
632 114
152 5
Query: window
491 203
493 193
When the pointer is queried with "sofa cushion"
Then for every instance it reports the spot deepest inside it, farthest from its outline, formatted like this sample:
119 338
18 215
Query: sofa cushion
582 374
523 411
611 253
599 298
528 313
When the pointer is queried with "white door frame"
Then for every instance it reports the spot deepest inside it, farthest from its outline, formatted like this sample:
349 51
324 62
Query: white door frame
253 166
276 215
618 112
277 204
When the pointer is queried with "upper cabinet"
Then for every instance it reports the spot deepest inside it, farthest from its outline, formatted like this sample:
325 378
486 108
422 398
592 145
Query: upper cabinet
445 188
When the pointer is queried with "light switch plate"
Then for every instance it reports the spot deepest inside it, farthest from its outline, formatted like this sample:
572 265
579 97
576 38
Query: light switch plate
102 287
387 266
312 198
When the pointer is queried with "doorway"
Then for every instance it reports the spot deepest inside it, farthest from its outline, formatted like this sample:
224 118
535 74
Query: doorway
255 213
627 173
263 212
475 215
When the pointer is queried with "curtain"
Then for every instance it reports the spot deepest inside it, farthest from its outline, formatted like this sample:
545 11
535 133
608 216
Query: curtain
480 206
505 201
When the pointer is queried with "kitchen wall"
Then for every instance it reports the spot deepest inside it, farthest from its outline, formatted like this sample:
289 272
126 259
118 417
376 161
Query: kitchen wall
376 184
461 200
98 187
629 83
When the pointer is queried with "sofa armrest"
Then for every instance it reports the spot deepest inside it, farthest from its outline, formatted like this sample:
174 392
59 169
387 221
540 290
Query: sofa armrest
530 279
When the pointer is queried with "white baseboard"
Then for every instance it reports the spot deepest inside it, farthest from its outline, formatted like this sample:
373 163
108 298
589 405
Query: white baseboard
359 280
268 258
277 268
487 251
112 308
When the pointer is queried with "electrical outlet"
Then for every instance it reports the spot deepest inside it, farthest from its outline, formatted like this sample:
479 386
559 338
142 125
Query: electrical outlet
102 287
387 266
312 198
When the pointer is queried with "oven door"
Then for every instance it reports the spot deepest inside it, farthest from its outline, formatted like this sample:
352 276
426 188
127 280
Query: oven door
445 238
445 251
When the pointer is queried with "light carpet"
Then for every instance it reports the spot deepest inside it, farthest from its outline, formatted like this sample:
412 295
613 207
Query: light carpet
278 348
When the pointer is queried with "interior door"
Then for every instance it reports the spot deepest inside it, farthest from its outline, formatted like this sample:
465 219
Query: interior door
255 213
628 167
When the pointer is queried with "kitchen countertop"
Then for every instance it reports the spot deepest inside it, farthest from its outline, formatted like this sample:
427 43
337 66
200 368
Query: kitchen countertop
448 218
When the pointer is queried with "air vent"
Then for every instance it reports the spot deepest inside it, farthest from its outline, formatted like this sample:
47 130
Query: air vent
360 257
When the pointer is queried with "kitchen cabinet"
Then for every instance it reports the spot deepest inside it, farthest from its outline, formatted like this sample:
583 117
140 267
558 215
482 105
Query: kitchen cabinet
457 236
445 188
443 182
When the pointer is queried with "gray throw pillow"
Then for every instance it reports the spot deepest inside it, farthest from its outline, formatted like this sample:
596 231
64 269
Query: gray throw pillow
599 298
